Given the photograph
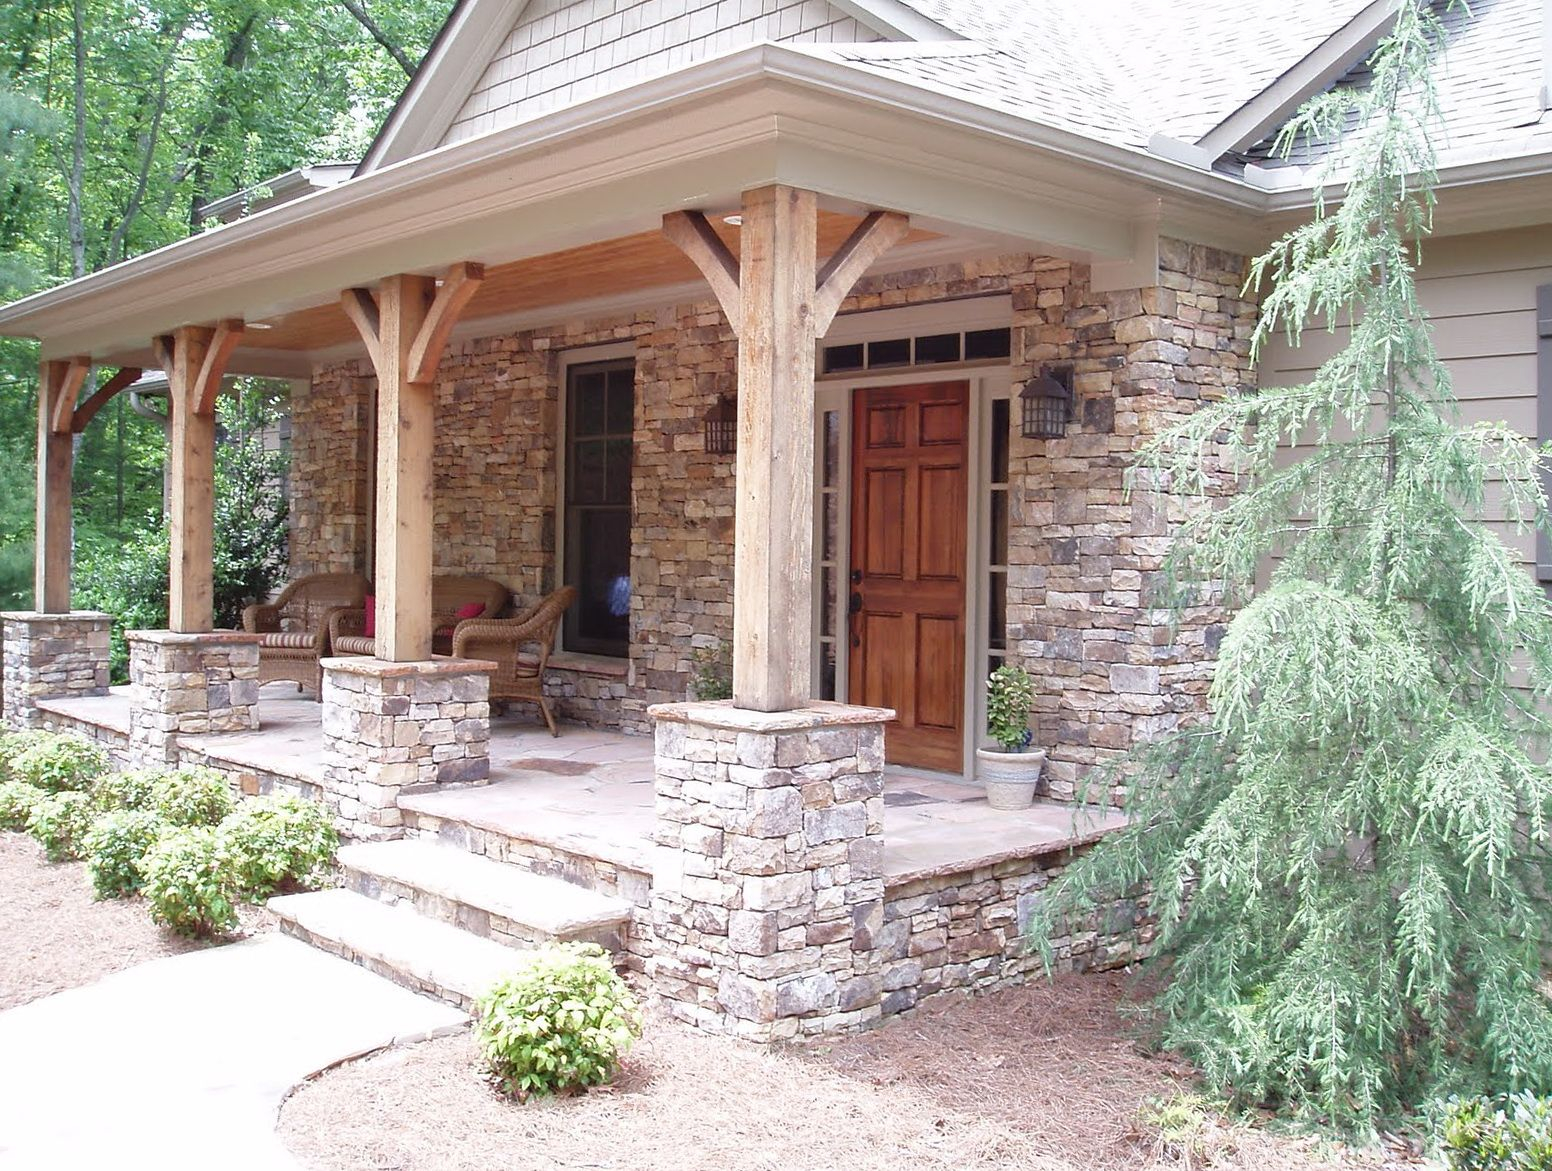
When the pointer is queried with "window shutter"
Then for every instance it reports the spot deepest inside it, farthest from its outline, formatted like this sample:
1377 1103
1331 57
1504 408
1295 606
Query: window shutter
1544 416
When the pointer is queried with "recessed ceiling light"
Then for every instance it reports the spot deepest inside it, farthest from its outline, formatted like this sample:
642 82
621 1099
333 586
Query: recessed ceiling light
736 221
260 325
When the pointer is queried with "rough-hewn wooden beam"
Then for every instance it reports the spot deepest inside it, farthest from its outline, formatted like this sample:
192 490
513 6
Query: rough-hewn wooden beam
207 383
127 376
361 307
875 235
406 422
774 483
59 382
191 437
458 286
693 235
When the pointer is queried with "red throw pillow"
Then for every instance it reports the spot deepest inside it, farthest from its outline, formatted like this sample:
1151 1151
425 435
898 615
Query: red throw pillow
370 628
472 610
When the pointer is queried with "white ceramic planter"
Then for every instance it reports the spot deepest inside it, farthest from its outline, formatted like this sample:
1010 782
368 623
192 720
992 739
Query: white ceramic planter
1010 777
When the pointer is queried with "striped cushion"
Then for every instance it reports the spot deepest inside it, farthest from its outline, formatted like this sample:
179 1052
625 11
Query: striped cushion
354 644
291 640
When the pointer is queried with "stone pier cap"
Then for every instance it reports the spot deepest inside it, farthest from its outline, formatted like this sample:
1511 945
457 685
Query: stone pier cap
720 713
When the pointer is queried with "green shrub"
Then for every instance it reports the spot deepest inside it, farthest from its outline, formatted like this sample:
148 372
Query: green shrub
59 822
116 847
187 878
16 801
1010 693
562 1021
132 789
12 745
1503 1134
712 672
280 842
59 764
191 796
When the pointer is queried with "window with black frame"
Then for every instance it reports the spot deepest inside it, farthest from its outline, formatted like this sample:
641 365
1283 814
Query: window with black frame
600 427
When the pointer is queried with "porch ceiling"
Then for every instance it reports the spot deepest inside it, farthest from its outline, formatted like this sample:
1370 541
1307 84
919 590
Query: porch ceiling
617 268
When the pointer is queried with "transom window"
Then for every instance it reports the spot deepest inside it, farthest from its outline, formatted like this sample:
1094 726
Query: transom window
600 429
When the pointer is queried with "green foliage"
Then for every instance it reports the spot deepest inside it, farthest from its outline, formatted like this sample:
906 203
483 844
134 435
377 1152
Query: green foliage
1010 693
59 822
561 1022
127 579
116 847
1505 1134
279 843
189 882
1347 861
132 789
58 763
191 797
17 799
712 675
13 744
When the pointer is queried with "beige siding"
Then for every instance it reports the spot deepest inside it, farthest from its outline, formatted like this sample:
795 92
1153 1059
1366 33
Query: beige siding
562 51
1480 294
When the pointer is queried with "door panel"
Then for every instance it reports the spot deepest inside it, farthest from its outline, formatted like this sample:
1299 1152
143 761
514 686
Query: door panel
910 471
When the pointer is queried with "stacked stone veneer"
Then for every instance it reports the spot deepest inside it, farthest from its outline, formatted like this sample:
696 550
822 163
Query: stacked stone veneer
768 877
189 684
1083 557
51 656
388 727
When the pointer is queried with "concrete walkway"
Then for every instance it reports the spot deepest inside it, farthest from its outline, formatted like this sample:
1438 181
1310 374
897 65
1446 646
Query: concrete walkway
183 1062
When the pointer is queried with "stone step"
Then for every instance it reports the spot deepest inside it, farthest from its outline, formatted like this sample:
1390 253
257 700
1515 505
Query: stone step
421 954
490 899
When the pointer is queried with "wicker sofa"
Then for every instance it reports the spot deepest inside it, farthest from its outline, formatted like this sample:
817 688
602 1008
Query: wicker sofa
293 629
449 595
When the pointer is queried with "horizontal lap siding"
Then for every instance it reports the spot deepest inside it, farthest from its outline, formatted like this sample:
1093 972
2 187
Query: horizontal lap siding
1480 294
561 52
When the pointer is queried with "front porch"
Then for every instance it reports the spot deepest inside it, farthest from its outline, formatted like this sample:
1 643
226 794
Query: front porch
586 798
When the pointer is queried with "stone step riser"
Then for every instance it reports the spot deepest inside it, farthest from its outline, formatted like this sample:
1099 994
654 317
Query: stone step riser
594 874
473 919
378 967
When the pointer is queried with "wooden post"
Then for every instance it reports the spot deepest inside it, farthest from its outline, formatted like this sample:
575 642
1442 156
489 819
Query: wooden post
59 384
780 304
194 359
405 328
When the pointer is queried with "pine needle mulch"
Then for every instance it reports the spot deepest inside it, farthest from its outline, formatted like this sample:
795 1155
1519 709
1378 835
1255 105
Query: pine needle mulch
1045 1078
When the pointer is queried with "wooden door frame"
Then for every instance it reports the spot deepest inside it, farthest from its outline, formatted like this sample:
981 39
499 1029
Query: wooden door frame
836 394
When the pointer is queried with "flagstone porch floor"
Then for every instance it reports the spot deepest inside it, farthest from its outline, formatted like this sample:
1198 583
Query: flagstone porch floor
591 792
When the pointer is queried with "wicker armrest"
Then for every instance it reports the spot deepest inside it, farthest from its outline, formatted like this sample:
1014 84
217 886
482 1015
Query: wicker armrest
497 632
344 621
261 618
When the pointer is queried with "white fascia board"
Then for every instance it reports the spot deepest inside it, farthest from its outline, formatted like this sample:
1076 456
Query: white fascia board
892 18
611 166
1274 105
444 81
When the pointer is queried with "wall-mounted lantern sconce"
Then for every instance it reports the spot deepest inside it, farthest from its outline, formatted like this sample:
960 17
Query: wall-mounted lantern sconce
722 426
1047 403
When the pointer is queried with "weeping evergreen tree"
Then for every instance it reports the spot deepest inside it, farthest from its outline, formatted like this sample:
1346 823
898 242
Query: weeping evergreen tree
1348 858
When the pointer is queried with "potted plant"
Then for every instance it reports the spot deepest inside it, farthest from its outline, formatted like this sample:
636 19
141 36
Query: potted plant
1011 771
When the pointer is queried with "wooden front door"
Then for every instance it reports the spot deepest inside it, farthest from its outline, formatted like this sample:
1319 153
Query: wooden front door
910 464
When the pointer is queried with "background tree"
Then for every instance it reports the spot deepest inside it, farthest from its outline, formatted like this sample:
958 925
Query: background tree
1348 859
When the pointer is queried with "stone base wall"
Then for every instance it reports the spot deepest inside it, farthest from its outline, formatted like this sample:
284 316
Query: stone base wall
113 741
968 931
593 696
767 886
50 656
189 684
388 727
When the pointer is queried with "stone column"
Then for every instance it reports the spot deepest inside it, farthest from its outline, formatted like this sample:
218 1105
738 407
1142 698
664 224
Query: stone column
391 726
768 878
51 656
187 684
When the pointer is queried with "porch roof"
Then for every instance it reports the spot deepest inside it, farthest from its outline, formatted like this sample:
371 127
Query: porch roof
560 207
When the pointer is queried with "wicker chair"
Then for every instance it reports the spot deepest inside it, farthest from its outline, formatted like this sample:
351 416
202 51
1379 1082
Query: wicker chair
449 594
293 629
520 647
